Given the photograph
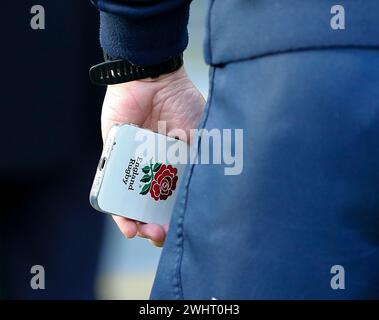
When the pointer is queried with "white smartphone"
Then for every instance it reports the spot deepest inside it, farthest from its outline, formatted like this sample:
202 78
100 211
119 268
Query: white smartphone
135 177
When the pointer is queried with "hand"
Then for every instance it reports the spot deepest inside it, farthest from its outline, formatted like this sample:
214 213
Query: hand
171 98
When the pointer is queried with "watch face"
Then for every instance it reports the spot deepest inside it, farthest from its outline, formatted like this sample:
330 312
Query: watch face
134 178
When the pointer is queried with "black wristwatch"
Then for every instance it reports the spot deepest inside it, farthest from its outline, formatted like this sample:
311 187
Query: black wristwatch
118 71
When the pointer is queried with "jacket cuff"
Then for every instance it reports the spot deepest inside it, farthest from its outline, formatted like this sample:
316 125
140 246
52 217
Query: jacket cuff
146 41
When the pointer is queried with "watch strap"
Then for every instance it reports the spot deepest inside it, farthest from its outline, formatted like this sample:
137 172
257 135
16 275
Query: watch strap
121 70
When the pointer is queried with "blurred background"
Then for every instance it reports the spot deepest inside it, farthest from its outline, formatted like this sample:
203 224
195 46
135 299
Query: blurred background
50 127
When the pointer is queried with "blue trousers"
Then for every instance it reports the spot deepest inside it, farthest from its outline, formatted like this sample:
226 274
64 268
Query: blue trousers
308 196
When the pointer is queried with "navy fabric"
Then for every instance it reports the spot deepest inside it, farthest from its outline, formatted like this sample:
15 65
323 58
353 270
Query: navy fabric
145 32
148 32
243 29
307 198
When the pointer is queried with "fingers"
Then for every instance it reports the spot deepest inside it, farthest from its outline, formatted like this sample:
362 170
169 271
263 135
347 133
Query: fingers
155 233
128 227
165 228
157 244
160 243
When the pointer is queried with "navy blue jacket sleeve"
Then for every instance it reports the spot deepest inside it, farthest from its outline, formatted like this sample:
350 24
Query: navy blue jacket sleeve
145 32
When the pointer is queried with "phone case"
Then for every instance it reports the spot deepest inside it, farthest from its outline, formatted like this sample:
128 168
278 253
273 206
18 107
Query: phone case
134 178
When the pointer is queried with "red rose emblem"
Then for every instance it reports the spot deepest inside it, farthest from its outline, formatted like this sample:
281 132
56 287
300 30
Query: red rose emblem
164 182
